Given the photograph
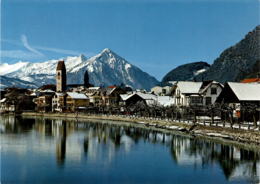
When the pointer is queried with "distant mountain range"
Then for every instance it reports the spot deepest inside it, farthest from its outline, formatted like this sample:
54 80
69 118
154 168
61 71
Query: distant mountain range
234 64
7 82
106 68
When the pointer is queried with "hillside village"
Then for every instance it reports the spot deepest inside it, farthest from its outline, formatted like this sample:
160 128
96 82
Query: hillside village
232 101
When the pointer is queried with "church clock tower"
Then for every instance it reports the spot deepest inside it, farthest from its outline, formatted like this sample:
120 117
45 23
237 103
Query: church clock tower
61 77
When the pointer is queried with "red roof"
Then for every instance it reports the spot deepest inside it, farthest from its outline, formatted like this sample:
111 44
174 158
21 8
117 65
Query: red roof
251 80
111 86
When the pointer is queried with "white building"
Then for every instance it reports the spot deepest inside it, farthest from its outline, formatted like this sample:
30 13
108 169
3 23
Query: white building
211 92
162 91
150 99
94 94
189 93
58 102
4 106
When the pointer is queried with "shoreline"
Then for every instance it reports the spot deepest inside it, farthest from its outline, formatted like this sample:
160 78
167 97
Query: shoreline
249 137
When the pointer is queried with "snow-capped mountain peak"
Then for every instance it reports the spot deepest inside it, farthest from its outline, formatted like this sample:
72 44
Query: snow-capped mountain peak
83 57
106 68
6 68
107 50
105 55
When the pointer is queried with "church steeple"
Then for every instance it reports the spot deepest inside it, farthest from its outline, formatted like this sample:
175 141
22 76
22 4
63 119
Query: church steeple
61 79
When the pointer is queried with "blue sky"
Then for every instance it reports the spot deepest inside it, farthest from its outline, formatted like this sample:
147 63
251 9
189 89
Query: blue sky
155 35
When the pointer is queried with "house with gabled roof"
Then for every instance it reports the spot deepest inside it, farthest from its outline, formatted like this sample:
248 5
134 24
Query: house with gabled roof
44 100
76 101
162 90
210 91
148 98
136 96
111 95
235 92
238 95
131 99
189 93
59 102
94 94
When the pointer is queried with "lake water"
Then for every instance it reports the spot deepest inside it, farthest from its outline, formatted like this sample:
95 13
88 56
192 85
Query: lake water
69 151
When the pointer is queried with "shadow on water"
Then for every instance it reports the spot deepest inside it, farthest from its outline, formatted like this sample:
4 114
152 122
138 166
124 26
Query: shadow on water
233 161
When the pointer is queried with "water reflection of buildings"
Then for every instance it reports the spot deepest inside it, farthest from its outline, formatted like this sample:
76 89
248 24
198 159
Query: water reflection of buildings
235 162
100 142
61 145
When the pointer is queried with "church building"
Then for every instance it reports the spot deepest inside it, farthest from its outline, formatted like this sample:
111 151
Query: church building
61 79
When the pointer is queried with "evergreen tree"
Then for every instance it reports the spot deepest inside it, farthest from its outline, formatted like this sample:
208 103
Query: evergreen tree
86 79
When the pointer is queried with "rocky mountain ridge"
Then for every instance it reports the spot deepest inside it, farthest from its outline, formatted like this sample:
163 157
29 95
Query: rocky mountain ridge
186 72
237 62
234 64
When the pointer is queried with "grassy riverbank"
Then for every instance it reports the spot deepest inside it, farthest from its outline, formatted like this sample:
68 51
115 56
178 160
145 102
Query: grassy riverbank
226 133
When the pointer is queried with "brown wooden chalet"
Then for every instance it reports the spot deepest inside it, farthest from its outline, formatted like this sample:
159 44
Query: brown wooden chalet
243 99
111 95
242 93
132 99
76 101
44 100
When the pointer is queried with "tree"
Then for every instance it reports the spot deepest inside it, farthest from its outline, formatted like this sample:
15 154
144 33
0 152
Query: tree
86 79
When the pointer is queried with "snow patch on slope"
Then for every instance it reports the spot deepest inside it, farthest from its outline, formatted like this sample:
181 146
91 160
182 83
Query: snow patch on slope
200 71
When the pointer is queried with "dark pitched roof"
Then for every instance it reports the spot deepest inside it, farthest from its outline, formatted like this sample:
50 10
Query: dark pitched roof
48 86
60 65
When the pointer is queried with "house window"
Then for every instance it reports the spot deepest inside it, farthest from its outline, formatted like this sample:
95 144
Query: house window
213 91
58 75
196 100
164 91
208 100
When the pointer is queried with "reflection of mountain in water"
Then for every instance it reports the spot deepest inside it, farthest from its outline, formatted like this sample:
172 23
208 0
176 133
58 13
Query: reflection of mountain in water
77 141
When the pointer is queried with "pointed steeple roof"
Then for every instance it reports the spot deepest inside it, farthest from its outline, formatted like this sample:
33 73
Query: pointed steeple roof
60 65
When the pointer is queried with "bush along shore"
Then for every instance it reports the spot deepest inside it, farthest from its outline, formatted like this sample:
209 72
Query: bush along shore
247 136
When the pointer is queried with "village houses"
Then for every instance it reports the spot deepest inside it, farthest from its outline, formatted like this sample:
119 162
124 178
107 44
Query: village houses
81 97
94 94
149 99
